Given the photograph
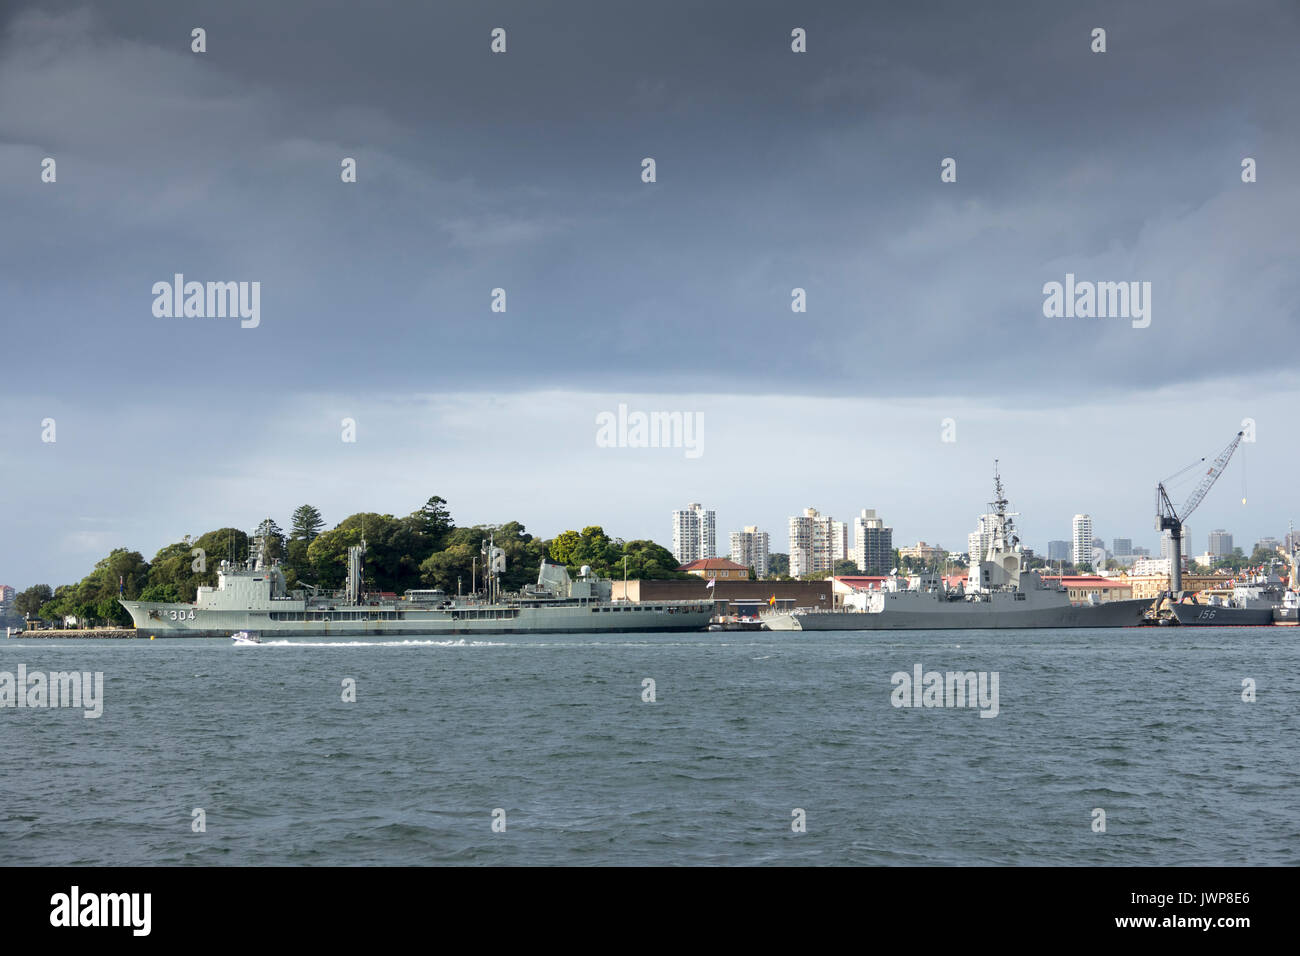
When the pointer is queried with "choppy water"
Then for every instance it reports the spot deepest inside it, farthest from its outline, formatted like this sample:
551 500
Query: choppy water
1147 724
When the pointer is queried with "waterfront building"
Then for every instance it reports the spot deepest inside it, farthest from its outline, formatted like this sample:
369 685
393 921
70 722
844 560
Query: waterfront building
1084 587
1147 586
1146 567
717 568
731 596
750 548
873 543
817 541
693 534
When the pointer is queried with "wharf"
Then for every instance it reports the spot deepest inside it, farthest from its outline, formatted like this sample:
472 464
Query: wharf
70 633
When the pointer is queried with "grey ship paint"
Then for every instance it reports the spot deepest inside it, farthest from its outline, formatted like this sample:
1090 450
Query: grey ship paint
253 597
1000 595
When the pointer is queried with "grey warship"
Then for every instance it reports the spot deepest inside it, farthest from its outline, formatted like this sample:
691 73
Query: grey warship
1253 603
1001 594
251 596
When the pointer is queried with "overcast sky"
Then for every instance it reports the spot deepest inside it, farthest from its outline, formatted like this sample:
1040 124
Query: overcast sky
522 171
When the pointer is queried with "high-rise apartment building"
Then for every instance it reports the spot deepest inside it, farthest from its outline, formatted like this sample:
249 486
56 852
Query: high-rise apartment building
817 541
694 534
1082 545
980 540
1058 551
1220 543
873 543
749 548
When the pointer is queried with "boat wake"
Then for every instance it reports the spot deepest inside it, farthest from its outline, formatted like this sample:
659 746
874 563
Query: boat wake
406 643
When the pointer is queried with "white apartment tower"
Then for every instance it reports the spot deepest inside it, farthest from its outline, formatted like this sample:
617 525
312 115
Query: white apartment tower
693 534
873 543
817 541
979 541
1082 550
749 547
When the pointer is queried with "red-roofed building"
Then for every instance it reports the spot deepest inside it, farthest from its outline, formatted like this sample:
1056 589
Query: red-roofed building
721 569
846 583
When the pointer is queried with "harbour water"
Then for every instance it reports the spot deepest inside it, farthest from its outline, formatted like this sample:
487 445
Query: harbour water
746 729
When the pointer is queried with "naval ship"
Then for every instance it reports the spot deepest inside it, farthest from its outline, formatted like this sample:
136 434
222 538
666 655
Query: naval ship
251 596
999 593
1252 604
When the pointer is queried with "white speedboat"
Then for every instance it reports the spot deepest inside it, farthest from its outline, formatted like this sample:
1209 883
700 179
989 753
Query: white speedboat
245 637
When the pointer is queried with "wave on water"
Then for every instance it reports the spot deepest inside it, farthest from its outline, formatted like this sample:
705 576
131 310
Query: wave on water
406 643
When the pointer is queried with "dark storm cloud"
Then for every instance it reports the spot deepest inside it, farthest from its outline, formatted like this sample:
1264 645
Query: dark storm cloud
775 170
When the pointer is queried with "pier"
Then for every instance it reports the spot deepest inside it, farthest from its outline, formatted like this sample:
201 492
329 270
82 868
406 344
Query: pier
71 633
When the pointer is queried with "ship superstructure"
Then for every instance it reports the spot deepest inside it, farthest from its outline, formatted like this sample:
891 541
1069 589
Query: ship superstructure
999 593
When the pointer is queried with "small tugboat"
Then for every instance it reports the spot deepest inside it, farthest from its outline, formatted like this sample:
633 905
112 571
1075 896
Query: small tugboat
245 637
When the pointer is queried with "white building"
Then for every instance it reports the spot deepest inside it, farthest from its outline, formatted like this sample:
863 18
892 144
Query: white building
1145 567
817 541
749 547
980 540
1081 552
694 534
873 543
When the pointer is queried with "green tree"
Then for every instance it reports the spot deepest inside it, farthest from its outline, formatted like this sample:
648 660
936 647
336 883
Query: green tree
305 524
846 567
434 520
224 544
451 566
327 555
778 565
595 548
94 599
395 547
172 571
29 602
163 593
563 545
1263 556
649 562
463 557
